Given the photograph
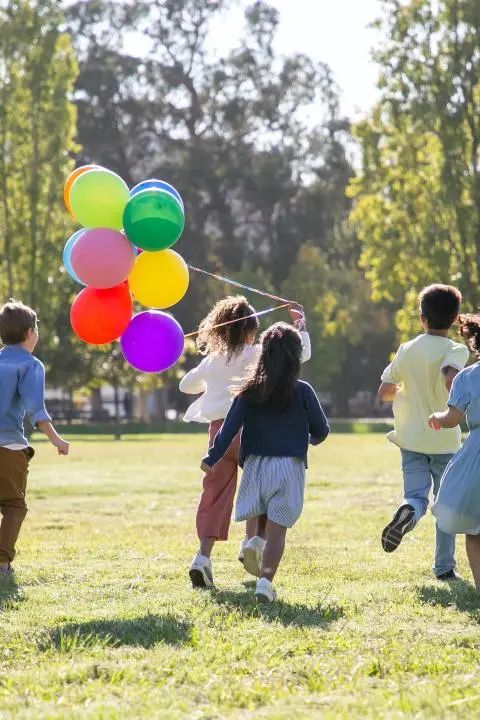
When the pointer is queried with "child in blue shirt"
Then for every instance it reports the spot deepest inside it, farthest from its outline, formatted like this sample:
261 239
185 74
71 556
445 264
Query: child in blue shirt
279 415
457 506
22 390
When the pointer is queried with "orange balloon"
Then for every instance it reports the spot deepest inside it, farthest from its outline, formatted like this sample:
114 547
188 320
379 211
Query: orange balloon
70 180
99 317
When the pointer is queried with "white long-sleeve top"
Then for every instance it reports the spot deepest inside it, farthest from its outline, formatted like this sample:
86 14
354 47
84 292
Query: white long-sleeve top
216 378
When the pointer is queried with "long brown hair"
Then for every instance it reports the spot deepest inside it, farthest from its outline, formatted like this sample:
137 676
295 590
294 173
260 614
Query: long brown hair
470 330
272 380
231 338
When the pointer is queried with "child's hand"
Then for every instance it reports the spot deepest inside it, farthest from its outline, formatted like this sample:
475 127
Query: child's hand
62 446
204 467
297 314
434 422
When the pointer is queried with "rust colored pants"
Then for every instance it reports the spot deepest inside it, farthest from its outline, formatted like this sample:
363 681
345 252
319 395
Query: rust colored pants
215 508
13 508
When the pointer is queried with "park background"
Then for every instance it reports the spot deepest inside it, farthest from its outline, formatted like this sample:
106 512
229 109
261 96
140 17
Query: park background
345 188
346 202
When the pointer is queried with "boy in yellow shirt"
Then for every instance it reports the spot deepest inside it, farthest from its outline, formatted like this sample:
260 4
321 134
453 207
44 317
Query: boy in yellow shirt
418 381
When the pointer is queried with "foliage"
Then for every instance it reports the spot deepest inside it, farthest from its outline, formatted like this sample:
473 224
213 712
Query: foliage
417 199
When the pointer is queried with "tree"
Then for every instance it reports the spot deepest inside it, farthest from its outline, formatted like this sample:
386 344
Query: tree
417 199
37 126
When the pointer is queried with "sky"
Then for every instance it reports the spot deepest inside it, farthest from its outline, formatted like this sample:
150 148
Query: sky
331 31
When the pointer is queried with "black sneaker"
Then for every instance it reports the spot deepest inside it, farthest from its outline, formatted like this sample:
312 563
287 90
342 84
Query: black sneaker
403 521
450 575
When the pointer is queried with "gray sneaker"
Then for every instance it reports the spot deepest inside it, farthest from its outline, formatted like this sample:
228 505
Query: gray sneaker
402 522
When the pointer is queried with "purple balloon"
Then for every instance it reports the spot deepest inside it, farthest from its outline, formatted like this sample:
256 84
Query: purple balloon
152 342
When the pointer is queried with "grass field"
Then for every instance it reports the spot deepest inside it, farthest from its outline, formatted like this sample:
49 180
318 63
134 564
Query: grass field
102 622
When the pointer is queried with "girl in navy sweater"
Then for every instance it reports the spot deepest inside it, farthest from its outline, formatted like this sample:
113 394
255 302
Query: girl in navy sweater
279 415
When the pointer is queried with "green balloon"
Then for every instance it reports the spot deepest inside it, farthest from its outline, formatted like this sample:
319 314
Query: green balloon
153 220
98 199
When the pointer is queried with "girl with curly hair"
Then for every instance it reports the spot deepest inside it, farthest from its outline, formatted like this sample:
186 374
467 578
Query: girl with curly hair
226 338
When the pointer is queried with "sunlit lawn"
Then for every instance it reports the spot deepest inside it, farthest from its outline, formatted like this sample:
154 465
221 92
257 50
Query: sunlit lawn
104 624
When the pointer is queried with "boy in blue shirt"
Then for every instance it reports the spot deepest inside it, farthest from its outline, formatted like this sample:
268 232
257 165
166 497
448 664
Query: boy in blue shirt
22 391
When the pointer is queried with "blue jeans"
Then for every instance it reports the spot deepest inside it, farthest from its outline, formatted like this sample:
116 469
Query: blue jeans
420 471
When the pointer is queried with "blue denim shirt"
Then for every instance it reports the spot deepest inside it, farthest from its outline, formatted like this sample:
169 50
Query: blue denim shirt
22 391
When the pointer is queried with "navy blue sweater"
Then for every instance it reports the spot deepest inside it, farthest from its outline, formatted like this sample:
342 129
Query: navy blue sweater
273 433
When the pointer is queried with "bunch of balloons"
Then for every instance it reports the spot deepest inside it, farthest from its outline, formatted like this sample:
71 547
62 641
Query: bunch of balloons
123 250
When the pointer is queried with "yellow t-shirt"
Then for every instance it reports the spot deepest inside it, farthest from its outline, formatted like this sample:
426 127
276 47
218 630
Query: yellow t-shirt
417 370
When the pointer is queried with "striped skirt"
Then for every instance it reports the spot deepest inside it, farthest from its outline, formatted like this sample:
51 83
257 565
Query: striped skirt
271 486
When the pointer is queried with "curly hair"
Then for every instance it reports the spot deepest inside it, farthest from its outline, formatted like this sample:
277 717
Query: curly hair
470 330
231 338
272 380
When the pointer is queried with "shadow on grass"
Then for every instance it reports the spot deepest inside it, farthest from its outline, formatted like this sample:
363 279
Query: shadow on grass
297 614
10 594
458 593
145 632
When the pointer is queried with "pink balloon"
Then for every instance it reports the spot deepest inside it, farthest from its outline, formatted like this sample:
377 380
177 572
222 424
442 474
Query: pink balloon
103 259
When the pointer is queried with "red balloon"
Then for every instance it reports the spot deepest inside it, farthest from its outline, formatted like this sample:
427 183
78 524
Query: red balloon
101 316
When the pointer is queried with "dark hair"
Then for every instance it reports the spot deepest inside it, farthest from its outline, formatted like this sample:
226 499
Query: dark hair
440 304
272 380
470 330
229 338
16 319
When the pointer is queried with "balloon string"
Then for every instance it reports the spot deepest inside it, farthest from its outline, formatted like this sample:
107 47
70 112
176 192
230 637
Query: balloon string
240 285
229 322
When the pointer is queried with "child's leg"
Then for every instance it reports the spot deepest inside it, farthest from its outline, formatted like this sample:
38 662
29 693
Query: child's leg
472 544
445 543
13 483
417 482
274 547
215 507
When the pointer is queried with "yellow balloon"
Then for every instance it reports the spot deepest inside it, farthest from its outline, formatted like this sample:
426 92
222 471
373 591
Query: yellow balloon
159 279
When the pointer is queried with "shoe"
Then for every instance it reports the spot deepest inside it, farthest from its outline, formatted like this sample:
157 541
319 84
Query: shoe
252 555
6 572
264 592
201 572
403 521
241 550
449 575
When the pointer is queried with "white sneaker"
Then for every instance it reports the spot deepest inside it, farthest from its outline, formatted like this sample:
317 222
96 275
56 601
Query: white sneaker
264 592
252 555
241 550
201 572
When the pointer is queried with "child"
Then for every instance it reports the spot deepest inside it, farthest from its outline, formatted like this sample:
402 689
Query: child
22 388
418 380
229 350
279 414
457 507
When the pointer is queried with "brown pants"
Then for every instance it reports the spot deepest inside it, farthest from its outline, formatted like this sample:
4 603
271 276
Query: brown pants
13 508
215 508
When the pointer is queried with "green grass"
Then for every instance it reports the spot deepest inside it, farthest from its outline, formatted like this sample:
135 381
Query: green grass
103 624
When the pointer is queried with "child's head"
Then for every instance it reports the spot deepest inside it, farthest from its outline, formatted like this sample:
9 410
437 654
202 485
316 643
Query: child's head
231 338
470 330
18 325
273 379
439 306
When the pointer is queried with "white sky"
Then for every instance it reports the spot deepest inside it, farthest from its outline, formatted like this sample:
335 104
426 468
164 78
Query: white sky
332 31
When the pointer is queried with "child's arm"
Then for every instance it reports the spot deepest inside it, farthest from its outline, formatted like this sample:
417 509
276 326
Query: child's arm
449 374
386 391
32 391
448 419
317 422
231 426
193 383
297 314
62 445
458 403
